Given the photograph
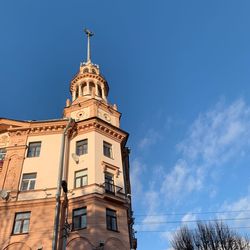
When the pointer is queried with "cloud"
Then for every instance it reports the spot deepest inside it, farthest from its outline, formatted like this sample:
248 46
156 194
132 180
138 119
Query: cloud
149 139
213 139
137 170
241 211
180 175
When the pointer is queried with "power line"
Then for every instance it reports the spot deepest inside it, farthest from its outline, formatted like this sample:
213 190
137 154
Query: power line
174 230
194 213
190 221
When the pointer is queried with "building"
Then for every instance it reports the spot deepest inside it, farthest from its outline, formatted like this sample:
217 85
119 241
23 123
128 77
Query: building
64 183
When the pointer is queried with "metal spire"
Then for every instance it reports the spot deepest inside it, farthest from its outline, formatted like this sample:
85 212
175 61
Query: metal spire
89 34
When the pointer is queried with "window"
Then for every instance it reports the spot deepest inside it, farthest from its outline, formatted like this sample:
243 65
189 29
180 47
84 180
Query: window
82 147
21 224
28 182
79 218
34 149
111 219
109 183
81 178
2 153
107 149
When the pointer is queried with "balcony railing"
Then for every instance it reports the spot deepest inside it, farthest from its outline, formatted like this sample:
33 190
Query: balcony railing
112 189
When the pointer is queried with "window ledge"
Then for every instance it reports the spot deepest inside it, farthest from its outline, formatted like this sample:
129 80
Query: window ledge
77 229
19 234
116 231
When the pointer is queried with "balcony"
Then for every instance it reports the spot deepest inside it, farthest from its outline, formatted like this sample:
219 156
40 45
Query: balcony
113 190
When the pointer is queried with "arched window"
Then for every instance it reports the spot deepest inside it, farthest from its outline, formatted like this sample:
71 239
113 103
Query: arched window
84 88
77 92
85 70
92 88
93 71
99 90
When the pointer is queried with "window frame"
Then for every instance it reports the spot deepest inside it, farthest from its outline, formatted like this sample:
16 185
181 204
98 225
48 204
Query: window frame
109 183
79 217
81 147
109 220
109 147
22 223
29 182
81 178
3 152
37 149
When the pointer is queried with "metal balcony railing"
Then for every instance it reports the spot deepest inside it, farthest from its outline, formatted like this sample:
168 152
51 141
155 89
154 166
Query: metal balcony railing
112 189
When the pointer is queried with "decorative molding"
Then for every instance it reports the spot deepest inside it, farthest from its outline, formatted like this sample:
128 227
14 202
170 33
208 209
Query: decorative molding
107 165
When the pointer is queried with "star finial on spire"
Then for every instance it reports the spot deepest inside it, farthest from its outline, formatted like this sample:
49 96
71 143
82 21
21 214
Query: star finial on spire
89 34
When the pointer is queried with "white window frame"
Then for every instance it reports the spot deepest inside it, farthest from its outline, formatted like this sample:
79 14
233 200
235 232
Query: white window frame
29 180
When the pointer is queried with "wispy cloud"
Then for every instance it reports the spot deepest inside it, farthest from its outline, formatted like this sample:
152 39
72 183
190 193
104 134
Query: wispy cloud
137 170
241 211
149 139
213 139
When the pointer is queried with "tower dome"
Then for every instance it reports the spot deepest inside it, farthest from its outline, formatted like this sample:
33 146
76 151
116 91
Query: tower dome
89 83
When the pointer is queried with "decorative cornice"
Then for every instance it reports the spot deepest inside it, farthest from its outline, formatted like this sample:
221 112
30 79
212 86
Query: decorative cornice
107 165
102 127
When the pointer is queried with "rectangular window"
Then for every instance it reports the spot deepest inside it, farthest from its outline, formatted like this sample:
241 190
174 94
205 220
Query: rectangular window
81 178
2 153
34 149
28 182
111 219
21 223
79 218
107 149
82 147
109 183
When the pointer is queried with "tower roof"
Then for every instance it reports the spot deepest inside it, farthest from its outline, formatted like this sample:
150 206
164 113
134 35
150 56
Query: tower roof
88 82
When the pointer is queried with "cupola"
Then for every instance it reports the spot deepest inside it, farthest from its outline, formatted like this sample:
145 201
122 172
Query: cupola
89 83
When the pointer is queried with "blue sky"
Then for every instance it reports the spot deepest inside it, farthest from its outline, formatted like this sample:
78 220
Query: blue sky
179 73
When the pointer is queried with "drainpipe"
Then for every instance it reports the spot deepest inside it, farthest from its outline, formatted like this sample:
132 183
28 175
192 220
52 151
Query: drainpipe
70 124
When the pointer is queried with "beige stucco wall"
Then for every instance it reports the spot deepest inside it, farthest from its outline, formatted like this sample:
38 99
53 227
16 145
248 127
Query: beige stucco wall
81 114
93 160
46 165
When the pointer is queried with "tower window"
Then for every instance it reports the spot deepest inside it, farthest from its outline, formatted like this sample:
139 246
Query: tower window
107 149
28 182
34 149
79 218
81 178
111 219
99 91
2 153
21 223
82 147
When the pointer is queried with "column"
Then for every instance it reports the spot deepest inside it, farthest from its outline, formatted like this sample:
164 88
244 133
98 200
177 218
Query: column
73 95
103 94
96 89
79 90
88 92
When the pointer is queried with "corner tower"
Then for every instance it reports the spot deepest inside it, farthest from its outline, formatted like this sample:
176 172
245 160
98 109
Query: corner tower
97 166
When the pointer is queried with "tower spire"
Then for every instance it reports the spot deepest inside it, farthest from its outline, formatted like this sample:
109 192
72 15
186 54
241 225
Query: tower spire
89 34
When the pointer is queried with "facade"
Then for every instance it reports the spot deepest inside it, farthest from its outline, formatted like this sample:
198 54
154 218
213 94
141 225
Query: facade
64 183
